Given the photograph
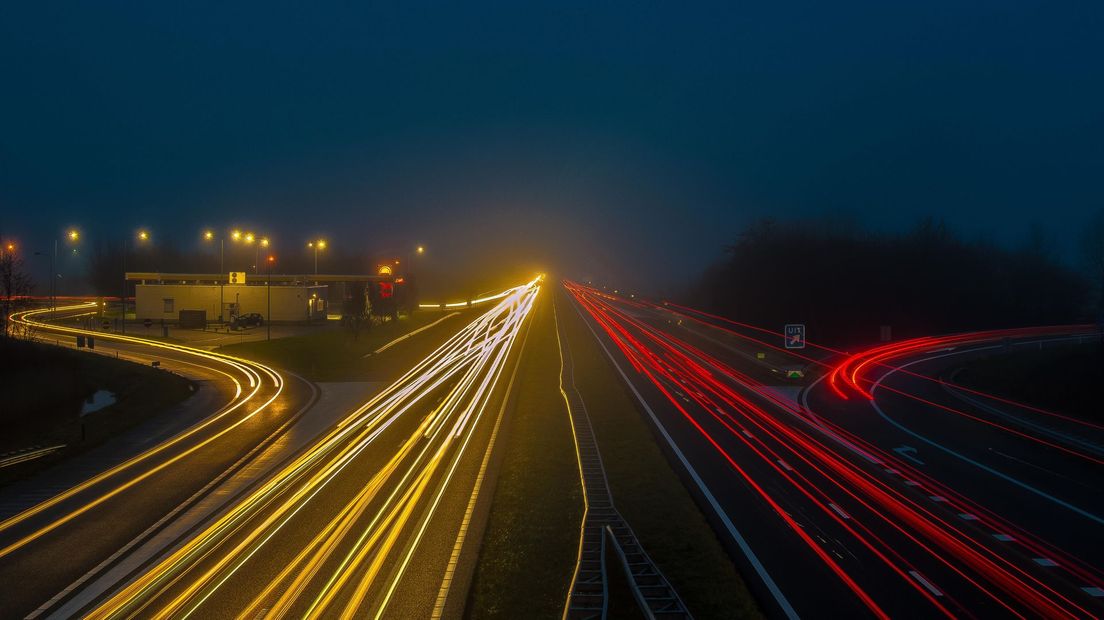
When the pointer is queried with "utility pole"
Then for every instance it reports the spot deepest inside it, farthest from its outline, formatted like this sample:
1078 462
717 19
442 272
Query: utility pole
53 282
222 272
268 313
122 298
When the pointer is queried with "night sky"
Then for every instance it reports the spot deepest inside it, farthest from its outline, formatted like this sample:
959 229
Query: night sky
627 140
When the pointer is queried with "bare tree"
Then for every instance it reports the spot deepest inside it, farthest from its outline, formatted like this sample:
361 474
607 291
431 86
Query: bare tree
15 285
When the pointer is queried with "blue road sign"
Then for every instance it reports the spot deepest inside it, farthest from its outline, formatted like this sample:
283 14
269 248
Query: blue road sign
795 336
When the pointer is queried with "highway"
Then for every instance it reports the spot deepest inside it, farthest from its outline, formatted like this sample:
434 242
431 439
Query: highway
60 527
369 519
871 486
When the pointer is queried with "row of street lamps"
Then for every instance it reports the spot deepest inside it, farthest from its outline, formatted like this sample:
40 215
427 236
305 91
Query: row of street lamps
142 236
72 235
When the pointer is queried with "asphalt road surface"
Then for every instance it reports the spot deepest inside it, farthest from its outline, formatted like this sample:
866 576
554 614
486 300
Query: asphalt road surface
369 519
918 501
59 526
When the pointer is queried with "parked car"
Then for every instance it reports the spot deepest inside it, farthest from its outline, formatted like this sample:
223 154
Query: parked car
252 319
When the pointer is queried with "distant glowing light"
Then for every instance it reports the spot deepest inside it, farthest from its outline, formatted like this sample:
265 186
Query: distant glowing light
74 235
208 235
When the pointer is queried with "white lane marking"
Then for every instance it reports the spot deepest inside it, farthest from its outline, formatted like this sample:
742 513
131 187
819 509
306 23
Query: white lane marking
966 516
1004 537
962 457
1094 591
1045 562
839 511
756 564
924 582
749 435
785 465
937 498
912 483
891 471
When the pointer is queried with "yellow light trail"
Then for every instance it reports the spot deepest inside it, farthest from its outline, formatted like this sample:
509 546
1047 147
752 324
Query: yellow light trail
473 359
248 368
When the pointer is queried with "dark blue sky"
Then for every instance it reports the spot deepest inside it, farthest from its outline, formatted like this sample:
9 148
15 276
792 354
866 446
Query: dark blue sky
612 138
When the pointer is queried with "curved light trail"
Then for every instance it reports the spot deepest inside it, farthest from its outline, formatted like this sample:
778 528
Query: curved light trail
117 479
352 564
816 476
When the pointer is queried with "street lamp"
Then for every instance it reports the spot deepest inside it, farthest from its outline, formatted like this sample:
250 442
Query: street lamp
268 282
316 245
421 249
142 236
261 243
248 239
209 235
8 247
74 236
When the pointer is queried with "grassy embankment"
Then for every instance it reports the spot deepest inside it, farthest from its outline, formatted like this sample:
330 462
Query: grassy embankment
1064 378
337 354
647 491
44 388
532 536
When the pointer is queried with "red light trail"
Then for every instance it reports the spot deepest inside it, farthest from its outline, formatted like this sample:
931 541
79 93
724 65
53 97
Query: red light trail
815 459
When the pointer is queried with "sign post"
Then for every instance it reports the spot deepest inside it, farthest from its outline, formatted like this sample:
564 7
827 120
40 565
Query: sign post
795 335
236 277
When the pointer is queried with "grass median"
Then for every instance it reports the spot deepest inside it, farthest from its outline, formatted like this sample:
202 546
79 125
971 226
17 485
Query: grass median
531 541
338 354
647 491
1062 377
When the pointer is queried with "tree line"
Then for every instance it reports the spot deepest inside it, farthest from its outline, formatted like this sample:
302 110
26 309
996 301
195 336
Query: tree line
846 283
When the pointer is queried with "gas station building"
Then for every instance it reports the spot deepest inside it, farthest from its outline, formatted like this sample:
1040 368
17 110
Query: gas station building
293 298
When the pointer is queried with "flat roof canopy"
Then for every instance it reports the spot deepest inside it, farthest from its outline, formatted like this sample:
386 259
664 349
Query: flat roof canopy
150 276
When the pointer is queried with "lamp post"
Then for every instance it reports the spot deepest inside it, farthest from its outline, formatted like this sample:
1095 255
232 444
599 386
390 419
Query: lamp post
261 243
209 235
8 247
142 236
268 283
73 235
316 245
